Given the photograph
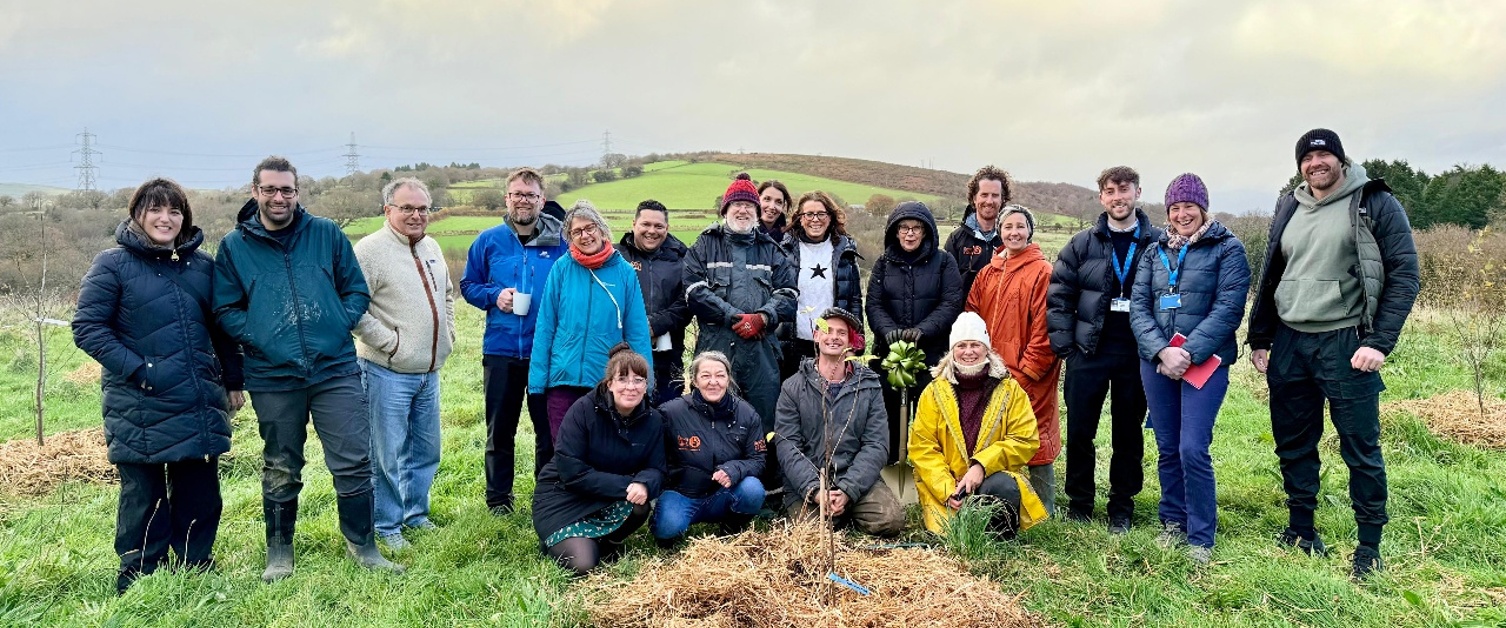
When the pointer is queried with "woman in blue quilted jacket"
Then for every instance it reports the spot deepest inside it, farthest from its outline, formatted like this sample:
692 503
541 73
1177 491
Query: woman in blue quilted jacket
144 315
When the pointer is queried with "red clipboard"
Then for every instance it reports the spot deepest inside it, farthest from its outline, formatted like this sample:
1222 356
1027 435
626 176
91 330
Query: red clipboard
1197 374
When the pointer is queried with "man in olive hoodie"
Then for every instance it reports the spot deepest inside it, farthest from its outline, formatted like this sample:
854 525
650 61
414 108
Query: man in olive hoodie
288 289
1340 278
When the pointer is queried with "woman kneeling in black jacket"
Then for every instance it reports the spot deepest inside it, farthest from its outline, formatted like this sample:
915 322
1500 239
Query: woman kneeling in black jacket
143 314
608 464
715 455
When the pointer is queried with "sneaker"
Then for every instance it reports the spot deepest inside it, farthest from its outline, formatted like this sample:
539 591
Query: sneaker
395 541
1119 525
1366 561
502 509
1312 547
1171 535
425 525
1200 555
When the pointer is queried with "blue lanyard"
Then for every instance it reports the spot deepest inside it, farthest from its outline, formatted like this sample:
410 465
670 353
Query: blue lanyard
1173 273
1121 267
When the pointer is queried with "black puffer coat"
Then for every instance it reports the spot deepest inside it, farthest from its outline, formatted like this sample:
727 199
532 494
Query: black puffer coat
847 283
921 289
1083 283
701 439
661 274
166 366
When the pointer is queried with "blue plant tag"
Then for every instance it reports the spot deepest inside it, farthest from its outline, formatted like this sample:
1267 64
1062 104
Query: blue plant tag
862 590
1171 301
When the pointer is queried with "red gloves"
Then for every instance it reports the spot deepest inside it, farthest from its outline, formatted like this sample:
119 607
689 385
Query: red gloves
749 326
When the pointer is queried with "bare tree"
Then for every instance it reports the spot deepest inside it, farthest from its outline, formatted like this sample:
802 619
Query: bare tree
30 251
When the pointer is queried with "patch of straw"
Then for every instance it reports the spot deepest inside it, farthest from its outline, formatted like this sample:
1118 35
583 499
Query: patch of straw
26 469
1456 415
779 579
87 373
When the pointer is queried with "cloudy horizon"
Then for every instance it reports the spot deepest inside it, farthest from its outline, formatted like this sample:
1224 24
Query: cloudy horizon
199 91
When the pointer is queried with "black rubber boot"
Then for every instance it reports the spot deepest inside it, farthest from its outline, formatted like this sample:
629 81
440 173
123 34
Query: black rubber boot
735 523
280 518
360 540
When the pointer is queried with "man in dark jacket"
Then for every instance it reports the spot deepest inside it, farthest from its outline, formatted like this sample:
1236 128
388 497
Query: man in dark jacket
740 286
1339 280
837 401
659 258
973 242
914 294
295 327
1087 317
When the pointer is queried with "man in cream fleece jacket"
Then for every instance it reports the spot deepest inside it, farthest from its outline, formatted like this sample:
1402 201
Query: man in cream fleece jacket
1339 281
401 342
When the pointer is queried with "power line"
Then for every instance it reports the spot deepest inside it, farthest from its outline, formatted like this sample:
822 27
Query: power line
86 167
352 158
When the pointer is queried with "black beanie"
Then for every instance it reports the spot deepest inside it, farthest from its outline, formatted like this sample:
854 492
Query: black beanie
1320 139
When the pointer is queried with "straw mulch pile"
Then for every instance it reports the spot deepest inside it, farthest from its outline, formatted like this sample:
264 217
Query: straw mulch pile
1456 415
26 469
779 579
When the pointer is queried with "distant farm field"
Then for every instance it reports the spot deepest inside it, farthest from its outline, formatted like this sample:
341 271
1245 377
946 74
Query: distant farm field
686 185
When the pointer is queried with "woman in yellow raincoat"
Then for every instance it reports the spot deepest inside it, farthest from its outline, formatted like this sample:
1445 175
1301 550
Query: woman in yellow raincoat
974 432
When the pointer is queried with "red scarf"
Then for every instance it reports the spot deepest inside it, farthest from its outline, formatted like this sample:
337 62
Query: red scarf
595 261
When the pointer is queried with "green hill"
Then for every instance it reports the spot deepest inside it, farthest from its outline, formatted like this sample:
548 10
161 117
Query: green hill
683 185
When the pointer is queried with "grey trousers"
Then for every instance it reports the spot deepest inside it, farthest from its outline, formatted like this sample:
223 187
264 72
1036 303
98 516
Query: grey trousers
338 409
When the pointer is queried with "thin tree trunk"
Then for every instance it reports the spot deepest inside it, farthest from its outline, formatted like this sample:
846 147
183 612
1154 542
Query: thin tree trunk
41 302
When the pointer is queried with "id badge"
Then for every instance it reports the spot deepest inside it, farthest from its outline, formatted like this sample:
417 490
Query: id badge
1171 301
1119 305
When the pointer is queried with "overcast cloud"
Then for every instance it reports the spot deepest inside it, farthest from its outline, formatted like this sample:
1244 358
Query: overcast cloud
1049 91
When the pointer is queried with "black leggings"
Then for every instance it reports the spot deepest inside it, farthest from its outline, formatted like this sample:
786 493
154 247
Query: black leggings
581 554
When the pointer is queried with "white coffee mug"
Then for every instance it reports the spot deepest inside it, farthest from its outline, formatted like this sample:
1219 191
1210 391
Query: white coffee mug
520 303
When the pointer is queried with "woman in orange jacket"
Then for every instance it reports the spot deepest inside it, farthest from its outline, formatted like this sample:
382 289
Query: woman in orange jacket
1010 295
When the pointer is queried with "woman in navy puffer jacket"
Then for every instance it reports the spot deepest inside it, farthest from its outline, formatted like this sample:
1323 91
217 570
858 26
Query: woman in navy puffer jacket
144 315
1192 283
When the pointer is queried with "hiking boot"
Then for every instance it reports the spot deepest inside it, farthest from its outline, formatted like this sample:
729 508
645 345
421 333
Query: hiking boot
1200 555
369 557
1079 516
395 541
1119 525
1366 561
279 561
1311 546
1171 535
501 510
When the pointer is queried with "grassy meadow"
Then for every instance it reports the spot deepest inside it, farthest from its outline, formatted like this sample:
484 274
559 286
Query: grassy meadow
1445 547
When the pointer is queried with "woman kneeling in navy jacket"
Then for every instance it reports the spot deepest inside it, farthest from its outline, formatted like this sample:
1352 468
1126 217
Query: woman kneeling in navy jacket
608 464
716 454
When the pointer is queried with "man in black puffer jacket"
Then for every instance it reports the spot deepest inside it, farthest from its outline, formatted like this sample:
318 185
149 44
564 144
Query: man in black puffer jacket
1087 316
288 288
659 258
915 294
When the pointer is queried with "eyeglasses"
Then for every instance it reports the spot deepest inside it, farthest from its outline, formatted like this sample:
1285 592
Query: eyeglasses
582 231
273 191
524 196
914 229
634 381
409 210
815 215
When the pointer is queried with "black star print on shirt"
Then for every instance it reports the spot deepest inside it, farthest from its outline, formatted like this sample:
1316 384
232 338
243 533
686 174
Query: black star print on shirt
818 271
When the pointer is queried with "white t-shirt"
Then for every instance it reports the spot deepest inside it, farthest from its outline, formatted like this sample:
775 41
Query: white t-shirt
816 280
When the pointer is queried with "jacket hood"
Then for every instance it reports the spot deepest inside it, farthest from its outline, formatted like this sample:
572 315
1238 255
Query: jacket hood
1355 179
247 221
671 245
551 230
136 242
1102 226
914 210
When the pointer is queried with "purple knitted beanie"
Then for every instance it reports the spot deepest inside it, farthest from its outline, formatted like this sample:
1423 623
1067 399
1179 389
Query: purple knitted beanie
1187 187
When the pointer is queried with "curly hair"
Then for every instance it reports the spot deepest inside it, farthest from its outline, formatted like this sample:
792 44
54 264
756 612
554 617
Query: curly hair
990 173
833 211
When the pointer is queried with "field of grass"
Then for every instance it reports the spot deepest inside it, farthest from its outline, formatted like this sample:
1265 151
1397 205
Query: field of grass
687 185
1445 550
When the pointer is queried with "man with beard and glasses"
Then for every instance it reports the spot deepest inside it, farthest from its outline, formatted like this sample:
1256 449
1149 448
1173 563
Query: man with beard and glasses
974 241
288 288
1087 318
1340 278
740 286
659 258
506 266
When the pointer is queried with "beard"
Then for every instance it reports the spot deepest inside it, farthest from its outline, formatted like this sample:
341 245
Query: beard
737 225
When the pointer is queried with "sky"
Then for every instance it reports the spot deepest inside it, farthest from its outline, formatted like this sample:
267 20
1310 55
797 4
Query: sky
1050 91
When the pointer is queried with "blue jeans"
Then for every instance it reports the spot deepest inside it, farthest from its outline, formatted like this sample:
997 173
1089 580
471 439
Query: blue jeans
1183 417
404 409
675 512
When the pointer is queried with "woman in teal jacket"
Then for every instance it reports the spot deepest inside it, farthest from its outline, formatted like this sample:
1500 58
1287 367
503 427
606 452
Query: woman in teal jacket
591 302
